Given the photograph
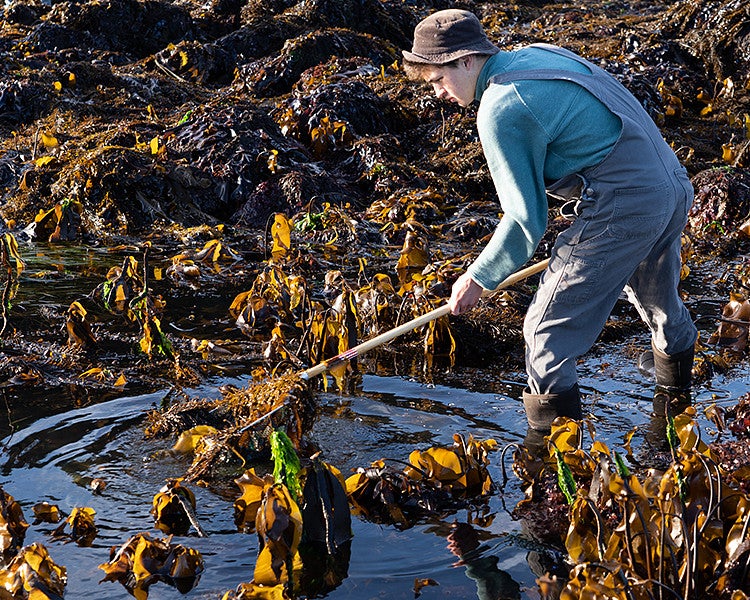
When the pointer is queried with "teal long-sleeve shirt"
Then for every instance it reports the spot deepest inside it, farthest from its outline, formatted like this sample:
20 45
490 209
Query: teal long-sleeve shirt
532 132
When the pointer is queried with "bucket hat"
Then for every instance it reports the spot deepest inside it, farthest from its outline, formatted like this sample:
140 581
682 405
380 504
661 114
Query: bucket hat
447 35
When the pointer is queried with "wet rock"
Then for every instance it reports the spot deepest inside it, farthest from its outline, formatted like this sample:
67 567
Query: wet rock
22 101
10 169
643 88
217 18
200 63
365 16
722 201
128 194
85 76
289 193
26 12
316 113
667 63
330 116
138 27
54 36
717 32
471 228
259 38
276 76
226 7
235 147
262 9
377 166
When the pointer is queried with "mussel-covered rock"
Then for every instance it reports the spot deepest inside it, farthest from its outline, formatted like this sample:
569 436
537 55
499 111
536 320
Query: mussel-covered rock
289 192
274 76
235 146
259 37
722 201
137 27
22 100
717 32
389 21
48 34
201 63
25 12
350 101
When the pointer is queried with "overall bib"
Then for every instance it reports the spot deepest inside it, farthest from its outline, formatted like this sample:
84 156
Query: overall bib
630 211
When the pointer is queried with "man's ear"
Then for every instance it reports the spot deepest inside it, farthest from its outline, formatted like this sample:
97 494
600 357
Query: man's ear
468 61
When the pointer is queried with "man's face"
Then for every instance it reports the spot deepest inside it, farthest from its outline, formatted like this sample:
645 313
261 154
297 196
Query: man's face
453 83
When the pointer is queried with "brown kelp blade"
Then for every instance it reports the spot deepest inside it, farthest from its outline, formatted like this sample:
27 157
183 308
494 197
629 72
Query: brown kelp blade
244 416
419 321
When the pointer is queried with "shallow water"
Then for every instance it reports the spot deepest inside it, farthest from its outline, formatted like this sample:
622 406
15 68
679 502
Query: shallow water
55 457
51 452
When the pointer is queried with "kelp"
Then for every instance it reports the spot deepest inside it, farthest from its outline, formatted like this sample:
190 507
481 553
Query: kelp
62 223
33 575
267 507
279 302
674 532
142 561
13 265
79 527
13 526
79 327
226 433
100 146
733 329
44 512
301 534
173 509
437 479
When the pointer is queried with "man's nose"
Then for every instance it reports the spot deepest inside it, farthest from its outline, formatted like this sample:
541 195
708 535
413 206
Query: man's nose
439 91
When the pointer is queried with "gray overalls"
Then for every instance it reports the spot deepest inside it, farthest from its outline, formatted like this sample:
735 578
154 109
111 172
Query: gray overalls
630 212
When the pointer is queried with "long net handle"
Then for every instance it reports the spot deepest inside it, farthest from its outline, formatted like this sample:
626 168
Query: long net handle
436 313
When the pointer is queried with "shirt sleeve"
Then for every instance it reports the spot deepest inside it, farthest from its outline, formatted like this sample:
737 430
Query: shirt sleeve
515 146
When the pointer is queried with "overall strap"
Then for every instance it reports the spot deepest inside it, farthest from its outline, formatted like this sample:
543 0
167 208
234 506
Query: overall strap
597 81
583 79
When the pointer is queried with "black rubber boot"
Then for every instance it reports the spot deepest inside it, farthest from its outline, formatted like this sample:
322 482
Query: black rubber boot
670 403
536 442
542 409
672 372
673 376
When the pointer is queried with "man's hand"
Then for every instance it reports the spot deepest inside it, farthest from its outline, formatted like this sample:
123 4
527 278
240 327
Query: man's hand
464 295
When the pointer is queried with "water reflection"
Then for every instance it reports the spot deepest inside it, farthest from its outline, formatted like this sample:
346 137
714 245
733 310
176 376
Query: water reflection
59 451
323 572
492 583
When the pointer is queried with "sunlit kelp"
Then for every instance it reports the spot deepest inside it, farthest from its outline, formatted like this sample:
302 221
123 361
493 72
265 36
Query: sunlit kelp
148 146
678 530
33 575
12 526
173 509
79 527
26 572
143 561
434 480
278 302
299 516
225 433
295 535
44 512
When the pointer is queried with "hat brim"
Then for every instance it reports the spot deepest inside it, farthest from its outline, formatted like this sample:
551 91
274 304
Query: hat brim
445 57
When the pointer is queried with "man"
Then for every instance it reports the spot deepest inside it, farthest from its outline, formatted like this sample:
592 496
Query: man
552 123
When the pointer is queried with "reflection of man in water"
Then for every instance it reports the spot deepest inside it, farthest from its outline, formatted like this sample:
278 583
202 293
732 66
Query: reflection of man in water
492 583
